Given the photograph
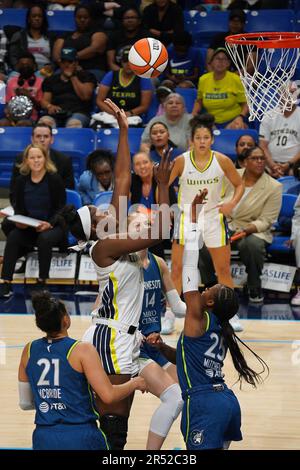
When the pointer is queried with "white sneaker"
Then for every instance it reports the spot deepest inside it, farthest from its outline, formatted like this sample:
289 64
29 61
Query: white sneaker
236 324
168 323
296 299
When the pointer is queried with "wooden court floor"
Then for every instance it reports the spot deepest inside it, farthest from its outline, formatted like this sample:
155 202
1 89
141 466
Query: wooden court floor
270 414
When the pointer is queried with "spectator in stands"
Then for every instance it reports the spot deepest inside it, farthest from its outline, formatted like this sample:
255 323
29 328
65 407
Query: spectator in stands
162 91
177 120
68 96
257 4
160 142
89 44
127 90
25 83
35 38
144 189
163 19
97 177
279 136
221 93
131 31
40 194
237 20
253 216
43 137
244 142
184 61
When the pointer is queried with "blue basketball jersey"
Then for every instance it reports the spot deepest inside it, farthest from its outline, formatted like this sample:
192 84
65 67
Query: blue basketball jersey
200 359
61 394
150 320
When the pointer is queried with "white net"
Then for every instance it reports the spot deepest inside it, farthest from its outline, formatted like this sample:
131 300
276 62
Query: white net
266 73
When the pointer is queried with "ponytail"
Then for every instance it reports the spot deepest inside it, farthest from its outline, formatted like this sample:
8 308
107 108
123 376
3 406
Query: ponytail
244 371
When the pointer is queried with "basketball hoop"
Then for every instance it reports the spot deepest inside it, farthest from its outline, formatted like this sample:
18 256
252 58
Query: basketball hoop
266 63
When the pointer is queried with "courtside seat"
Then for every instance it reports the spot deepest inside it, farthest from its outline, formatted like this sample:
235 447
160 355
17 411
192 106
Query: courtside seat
60 21
225 140
77 143
270 20
13 17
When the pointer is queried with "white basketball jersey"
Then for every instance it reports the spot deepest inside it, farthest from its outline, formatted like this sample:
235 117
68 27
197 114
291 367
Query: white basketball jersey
121 289
193 179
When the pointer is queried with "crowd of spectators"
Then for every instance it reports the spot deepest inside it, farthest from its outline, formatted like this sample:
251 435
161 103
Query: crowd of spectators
67 76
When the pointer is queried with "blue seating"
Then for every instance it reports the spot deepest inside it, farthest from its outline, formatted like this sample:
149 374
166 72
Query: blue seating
191 20
189 95
77 143
207 25
13 140
103 199
225 140
108 139
61 21
278 244
270 20
288 182
13 17
73 197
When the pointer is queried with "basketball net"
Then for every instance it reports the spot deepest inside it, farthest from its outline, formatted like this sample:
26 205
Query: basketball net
266 68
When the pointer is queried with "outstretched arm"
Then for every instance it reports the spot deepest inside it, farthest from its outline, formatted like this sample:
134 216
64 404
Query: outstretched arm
122 170
190 273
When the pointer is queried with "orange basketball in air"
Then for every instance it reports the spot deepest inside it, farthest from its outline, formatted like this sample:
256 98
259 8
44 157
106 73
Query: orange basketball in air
148 58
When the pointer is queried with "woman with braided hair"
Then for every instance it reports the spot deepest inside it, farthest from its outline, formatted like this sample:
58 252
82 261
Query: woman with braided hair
114 331
211 415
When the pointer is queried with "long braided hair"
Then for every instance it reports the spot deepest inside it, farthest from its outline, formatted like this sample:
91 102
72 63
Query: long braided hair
225 307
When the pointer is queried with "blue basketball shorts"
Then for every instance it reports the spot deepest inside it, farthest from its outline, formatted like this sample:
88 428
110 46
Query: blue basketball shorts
69 437
211 415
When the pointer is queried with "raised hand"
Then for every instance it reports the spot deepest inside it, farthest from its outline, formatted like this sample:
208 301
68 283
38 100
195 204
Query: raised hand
118 113
197 205
163 171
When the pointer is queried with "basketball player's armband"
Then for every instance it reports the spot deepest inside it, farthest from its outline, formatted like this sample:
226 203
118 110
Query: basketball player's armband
26 401
190 273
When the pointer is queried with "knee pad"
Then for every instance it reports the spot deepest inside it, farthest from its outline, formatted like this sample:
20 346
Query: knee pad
168 411
115 427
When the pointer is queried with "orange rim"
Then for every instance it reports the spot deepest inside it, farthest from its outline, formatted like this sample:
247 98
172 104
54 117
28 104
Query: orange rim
266 40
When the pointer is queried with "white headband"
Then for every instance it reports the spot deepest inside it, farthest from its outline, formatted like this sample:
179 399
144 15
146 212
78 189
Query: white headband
86 221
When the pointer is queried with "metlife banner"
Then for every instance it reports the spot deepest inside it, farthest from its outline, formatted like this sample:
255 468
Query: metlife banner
62 266
276 277
87 270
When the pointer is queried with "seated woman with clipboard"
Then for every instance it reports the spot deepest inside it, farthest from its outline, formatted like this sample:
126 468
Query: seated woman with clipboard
40 194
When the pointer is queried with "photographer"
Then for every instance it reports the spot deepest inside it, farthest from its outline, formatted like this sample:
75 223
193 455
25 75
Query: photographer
68 96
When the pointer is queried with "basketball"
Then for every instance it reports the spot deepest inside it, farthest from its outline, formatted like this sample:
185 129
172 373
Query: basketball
148 58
